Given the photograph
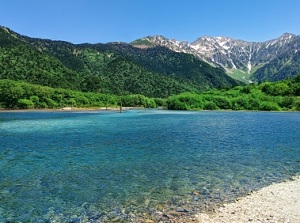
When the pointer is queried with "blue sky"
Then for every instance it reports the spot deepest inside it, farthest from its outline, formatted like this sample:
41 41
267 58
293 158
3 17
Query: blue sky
95 21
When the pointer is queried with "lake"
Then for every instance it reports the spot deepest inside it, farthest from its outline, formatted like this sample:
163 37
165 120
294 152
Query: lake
105 166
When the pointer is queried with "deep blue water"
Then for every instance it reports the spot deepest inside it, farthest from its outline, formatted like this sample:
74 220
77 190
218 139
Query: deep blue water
92 166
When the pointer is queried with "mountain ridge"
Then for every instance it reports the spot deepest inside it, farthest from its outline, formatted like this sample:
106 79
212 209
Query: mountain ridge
234 55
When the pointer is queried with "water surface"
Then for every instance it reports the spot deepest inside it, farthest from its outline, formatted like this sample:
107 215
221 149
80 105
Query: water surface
96 166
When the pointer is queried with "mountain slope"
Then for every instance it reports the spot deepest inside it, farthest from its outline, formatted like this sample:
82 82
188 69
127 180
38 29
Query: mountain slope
20 61
184 67
116 68
285 65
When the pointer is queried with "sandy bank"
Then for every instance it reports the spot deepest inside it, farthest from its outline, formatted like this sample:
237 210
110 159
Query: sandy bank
275 203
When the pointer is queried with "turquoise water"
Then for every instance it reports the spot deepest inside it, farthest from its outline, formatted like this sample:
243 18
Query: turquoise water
103 166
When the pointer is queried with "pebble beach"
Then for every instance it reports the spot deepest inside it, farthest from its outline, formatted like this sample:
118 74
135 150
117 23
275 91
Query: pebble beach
276 203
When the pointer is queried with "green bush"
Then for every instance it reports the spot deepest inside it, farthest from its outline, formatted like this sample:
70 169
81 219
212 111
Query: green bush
25 104
269 106
222 102
137 100
210 105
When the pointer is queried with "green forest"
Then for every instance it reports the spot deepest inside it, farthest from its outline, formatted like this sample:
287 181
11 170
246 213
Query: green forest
268 96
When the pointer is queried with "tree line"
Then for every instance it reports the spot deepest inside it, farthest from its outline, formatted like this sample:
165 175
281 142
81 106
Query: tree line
22 95
268 96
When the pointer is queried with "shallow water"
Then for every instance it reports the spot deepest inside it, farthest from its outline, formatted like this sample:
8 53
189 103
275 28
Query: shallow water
96 166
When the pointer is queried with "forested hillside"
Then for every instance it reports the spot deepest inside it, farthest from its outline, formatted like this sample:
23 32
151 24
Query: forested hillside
20 61
185 67
105 68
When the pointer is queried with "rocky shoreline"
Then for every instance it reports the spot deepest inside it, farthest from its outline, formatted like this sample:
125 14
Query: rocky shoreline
276 203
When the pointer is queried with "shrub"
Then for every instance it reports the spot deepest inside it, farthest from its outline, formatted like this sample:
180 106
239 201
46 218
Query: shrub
25 103
269 106
210 105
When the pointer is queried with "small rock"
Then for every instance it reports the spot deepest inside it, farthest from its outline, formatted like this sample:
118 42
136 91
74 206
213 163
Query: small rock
74 220
174 213
196 192
180 209
151 209
116 219
159 213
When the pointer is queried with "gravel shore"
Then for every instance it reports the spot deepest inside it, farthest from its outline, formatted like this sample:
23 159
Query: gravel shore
276 203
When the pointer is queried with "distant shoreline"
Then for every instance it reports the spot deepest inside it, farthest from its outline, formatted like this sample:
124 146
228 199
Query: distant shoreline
47 110
69 109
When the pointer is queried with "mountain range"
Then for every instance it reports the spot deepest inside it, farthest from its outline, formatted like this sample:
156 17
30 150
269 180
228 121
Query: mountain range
115 68
271 60
154 66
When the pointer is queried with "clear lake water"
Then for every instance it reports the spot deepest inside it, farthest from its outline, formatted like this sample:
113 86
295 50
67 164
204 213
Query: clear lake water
104 166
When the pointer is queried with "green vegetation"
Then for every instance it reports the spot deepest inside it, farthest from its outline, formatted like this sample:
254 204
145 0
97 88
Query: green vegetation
180 66
24 63
113 73
21 95
278 96
240 75
287 65
141 42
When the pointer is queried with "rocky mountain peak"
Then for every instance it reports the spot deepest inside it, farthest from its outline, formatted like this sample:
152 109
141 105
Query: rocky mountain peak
287 36
159 40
